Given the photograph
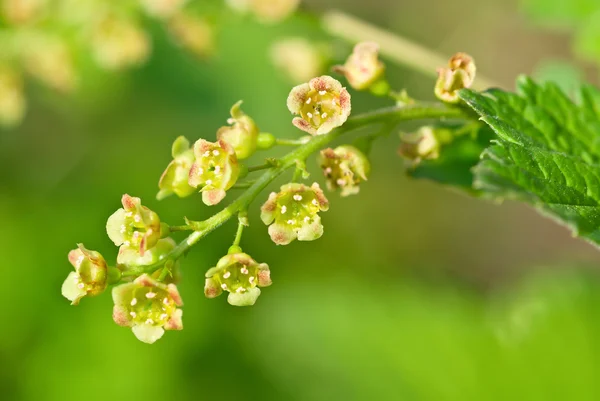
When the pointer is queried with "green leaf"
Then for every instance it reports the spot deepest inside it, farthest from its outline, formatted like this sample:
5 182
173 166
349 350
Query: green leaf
547 151
457 157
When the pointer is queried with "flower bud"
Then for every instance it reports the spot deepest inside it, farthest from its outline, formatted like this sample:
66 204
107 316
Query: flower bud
162 8
194 34
129 257
363 68
174 179
459 74
240 276
12 99
134 225
298 59
345 167
292 213
89 277
148 307
266 140
119 43
242 134
420 145
323 104
216 169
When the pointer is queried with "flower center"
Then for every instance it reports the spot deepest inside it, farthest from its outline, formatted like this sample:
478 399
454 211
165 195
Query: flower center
297 208
238 278
150 305
320 106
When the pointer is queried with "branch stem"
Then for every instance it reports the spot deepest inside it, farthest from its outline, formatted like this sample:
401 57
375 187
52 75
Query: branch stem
385 116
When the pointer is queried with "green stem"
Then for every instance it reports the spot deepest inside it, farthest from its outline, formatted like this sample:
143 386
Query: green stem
260 167
291 142
297 174
386 115
243 185
238 234
180 228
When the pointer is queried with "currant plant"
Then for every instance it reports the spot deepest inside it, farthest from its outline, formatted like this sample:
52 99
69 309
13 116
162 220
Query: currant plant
536 145
144 277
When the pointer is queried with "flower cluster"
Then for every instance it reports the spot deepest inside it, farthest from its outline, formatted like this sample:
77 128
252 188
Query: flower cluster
322 103
45 39
148 304
459 74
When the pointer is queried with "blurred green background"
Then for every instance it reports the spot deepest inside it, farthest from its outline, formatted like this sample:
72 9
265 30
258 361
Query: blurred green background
415 292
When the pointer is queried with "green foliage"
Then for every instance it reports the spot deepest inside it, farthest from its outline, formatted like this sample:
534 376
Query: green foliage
547 152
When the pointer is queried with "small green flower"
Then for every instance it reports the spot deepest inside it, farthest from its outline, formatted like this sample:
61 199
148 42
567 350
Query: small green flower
240 276
345 167
420 145
216 169
90 275
148 307
134 225
293 213
175 178
242 134
459 74
323 104
363 68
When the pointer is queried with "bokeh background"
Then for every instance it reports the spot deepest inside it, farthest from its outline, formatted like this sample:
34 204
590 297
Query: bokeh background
415 292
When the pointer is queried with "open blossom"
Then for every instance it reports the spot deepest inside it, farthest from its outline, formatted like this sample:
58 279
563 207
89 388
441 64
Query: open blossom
134 225
298 58
240 276
292 213
363 68
345 167
216 169
90 275
195 34
459 74
148 307
174 180
12 98
420 145
119 43
322 103
242 134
